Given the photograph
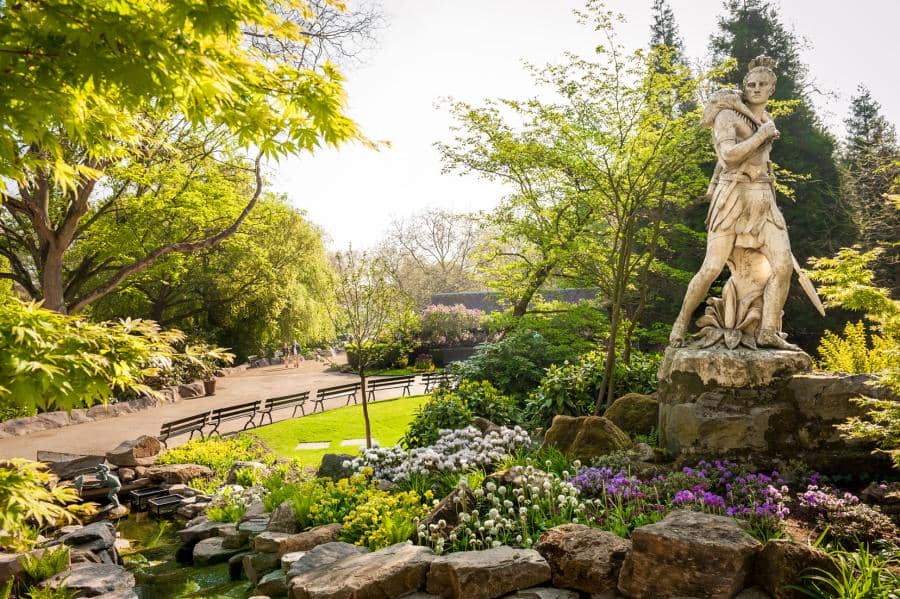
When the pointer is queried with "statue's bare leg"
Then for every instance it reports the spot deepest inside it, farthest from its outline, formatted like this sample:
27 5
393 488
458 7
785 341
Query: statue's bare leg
718 248
777 250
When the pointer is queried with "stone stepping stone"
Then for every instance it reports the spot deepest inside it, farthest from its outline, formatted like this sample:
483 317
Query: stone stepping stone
315 445
357 443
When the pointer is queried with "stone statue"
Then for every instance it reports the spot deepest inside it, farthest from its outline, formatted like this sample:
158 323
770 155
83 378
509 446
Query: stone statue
745 228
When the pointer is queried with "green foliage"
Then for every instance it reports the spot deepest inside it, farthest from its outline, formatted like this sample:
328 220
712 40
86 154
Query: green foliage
228 508
451 326
378 354
444 410
61 592
860 575
50 361
514 365
482 399
218 453
571 389
49 563
26 497
848 281
381 519
247 477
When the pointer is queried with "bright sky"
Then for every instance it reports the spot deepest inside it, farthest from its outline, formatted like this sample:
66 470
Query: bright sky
474 49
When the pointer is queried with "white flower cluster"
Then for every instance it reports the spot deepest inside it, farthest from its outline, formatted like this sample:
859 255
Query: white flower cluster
232 494
513 514
456 451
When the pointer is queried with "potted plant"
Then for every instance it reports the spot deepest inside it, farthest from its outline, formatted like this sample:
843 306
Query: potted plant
204 360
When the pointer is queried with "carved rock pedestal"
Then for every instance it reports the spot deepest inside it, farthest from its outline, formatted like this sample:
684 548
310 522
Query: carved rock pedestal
762 406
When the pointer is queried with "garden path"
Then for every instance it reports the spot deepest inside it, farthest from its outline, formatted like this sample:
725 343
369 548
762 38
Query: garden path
246 385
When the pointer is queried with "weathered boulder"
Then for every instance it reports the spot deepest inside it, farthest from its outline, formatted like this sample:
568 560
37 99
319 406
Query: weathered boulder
121 594
269 542
255 510
766 408
323 555
585 437
484 425
283 519
272 584
332 466
781 562
634 413
257 565
282 544
212 551
231 477
68 466
96 537
688 554
753 593
93 580
204 530
234 538
460 499
543 593
486 574
583 558
288 559
391 572
177 473
254 526
142 451
191 390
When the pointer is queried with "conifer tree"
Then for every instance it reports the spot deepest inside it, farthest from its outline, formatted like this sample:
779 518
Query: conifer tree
664 29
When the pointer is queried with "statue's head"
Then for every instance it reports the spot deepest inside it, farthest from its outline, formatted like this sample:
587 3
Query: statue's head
759 82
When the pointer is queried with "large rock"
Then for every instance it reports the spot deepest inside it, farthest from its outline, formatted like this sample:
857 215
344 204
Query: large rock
212 551
332 466
486 574
283 519
66 465
282 544
385 574
634 413
688 554
203 530
781 409
585 437
257 565
96 537
191 390
322 556
543 593
177 473
583 558
273 584
120 594
781 563
142 451
93 580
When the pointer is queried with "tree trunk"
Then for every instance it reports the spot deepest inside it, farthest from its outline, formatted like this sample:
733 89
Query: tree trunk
538 279
608 381
52 287
365 408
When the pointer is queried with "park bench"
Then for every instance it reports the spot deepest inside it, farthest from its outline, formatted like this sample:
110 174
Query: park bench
437 378
192 424
390 382
349 391
295 400
242 410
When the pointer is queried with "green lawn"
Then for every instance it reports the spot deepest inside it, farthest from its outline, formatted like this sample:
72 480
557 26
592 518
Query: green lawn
389 421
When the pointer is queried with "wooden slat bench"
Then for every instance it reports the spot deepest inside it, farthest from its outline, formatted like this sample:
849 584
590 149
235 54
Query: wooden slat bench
435 379
390 382
349 391
192 424
242 410
295 400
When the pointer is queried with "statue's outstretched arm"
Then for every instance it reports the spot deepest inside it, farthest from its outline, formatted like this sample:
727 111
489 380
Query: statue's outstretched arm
731 152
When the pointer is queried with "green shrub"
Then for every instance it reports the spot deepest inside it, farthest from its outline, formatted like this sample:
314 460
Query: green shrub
26 497
62 592
571 388
228 507
218 453
514 365
444 409
49 361
484 400
247 477
859 575
381 519
385 355
451 326
50 563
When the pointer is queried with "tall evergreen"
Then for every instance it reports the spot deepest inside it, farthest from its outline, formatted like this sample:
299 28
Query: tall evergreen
871 159
818 220
664 30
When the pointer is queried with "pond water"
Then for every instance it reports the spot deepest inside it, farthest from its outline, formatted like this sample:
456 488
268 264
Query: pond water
151 559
